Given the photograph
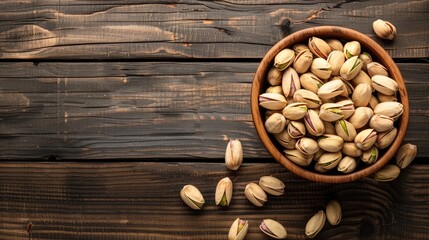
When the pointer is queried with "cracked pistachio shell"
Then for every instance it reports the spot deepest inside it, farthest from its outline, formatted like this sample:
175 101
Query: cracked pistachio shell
274 76
307 146
272 185
362 95
273 229
390 109
331 89
351 68
284 59
310 82
303 61
350 149
388 173
373 102
329 128
223 193
272 101
192 197
275 89
313 123
330 160
300 47
347 107
361 117
315 224
333 212
347 165
370 156
307 97
290 82
298 158
375 68
285 139
381 123
321 68
275 123
319 47
238 229
384 85
331 112
296 129
233 154
384 29
361 77
351 49
335 44
384 139
365 139
366 58
345 130
336 59
386 98
295 111
406 155
330 142
255 194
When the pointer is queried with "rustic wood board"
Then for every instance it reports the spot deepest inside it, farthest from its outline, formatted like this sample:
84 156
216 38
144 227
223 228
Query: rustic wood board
109 29
141 201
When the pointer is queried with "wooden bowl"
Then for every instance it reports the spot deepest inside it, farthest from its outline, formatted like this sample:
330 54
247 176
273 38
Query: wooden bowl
378 54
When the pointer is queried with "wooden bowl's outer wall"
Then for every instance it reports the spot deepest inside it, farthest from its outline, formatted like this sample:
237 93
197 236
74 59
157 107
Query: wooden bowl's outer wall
376 51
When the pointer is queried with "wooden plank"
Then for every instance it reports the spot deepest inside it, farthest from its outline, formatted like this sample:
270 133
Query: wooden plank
149 110
141 201
108 29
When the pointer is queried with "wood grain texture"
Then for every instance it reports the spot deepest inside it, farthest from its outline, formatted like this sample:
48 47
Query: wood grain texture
145 110
141 201
111 29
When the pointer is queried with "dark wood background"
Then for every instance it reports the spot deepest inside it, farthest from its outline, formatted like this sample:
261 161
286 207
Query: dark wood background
107 108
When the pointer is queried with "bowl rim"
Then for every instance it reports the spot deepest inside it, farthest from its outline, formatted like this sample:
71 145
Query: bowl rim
376 51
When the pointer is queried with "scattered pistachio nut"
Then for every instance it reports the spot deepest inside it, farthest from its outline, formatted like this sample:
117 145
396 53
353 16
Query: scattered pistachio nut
333 212
223 194
388 173
315 224
234 154
255 194
273 229
272 185
192 197
238 229
284 59
406 155
384 29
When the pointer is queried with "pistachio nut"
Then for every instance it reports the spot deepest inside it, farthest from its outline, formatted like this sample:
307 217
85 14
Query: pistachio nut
331 112
384 139
285 139
307 146
333 212
406 155
303 61
275 89
375 68
361 117
295 111
373 102
384 29
370 156
366 58
329 128
350 149
315 224
238 230
330 160
284 59
319 47
274 76
321 68
348 88
361 77
275 123
310 82
290 82
335 44
296 129
192 197
381 123
272 185
319 168
272 101
300 47
351 49
223 194
345 130
348 108
234 154
331 89
318 154
307 97
268 113
336 59
384 85
273 229
365 139
351 68
390 109
313 123
388 173
362 95
330 142
255 194
386 98
347 165
298 158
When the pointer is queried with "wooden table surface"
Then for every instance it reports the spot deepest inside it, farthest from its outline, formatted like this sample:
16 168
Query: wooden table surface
107 108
